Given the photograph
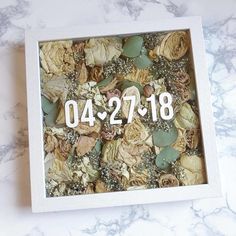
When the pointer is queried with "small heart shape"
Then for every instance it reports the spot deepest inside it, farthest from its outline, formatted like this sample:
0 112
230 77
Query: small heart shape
102 115
143 111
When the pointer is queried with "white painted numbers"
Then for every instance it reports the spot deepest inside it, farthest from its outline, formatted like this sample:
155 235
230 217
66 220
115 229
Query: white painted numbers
72 112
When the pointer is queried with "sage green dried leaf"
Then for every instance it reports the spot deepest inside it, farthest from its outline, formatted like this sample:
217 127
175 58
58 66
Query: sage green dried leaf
98 147
51 117
142 61
166 157
47 106
162 138
104 82
133 46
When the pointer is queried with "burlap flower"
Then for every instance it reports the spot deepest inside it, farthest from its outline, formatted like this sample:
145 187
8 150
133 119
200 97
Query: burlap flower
57 57
174 45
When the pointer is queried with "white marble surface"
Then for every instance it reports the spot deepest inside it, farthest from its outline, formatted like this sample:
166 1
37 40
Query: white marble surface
201 217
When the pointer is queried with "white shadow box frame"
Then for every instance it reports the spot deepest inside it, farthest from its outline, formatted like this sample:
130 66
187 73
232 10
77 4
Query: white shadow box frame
41 203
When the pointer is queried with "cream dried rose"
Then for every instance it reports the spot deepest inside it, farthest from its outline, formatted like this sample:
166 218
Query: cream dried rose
168 180
98 51
57 57
131 153
135 132
186 118
174 45
193 170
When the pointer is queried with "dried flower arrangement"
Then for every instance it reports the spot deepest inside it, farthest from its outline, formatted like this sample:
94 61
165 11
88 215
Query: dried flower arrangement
140 154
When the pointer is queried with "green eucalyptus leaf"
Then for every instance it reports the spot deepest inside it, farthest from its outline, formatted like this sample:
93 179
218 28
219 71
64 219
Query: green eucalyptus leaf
133 46
127 83
98 147
142 61
51 117
104 82
47 106
162 138
165 157
144 51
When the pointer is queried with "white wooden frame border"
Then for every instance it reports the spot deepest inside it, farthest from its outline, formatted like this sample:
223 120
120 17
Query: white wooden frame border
40 203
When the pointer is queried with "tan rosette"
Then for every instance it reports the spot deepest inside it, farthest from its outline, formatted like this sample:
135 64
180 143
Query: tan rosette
57 57
194 170
168 180
135 132
130 91
174 45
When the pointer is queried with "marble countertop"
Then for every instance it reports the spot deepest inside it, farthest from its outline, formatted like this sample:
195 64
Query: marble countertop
200 217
